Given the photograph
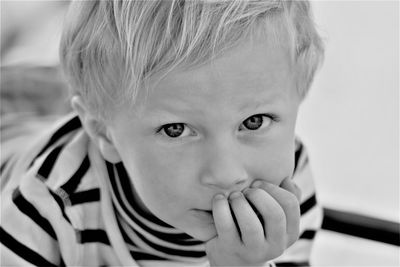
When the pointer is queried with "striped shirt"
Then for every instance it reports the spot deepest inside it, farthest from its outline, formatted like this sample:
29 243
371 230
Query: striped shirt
63 204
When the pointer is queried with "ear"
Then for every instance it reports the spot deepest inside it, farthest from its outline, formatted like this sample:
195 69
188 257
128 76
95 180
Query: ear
97 130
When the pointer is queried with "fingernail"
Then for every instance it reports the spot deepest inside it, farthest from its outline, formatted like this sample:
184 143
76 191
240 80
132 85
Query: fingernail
219 197
235 195
257 183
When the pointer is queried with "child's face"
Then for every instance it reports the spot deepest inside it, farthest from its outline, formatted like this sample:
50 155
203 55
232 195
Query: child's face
212 129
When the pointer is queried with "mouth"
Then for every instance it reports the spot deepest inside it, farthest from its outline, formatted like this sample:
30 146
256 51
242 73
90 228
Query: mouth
204 211
204 215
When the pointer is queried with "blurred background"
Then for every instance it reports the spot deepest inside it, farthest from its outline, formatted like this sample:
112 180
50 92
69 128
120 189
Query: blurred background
349 122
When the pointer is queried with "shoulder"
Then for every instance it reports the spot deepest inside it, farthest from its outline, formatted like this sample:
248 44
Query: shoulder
26 137
51 195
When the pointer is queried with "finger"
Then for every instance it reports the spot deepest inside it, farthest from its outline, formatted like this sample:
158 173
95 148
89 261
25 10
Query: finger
224 223
272 214
290 206
289 185
251 229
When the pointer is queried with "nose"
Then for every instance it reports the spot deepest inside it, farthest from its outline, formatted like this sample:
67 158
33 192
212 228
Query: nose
224 167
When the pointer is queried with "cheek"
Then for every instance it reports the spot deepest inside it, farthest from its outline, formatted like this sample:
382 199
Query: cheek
161 179
275 162
152 175
163 168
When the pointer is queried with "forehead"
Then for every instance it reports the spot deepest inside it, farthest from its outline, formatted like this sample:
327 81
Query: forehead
252 70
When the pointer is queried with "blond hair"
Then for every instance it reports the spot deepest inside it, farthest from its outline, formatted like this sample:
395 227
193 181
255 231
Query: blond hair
111 49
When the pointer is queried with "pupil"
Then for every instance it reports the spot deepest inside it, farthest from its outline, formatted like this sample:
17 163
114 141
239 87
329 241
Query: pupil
174 130
254 122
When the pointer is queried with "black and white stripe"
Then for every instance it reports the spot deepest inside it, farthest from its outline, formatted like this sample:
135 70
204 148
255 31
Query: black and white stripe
65 196
70 126
147 236
29 210
25 252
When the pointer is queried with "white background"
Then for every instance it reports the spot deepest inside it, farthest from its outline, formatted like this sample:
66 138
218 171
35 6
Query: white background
350 120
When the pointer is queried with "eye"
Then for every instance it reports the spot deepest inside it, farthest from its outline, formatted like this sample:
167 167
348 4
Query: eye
175 130
256 122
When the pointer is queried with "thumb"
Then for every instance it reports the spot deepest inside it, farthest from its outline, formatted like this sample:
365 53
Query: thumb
290 186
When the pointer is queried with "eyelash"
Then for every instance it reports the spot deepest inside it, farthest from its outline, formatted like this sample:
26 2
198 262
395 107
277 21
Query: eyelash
165 126
162 128
272 118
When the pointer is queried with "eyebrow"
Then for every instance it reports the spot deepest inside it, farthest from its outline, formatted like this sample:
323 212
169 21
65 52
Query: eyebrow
256 103
181 106
176 106
167 110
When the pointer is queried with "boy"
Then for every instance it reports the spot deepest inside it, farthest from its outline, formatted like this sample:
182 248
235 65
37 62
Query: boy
181 149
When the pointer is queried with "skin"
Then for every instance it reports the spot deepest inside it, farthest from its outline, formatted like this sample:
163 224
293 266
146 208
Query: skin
213 164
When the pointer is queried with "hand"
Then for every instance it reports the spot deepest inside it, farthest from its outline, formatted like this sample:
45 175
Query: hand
254 241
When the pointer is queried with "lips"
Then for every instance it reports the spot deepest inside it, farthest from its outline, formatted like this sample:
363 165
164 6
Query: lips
204 215
204 211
